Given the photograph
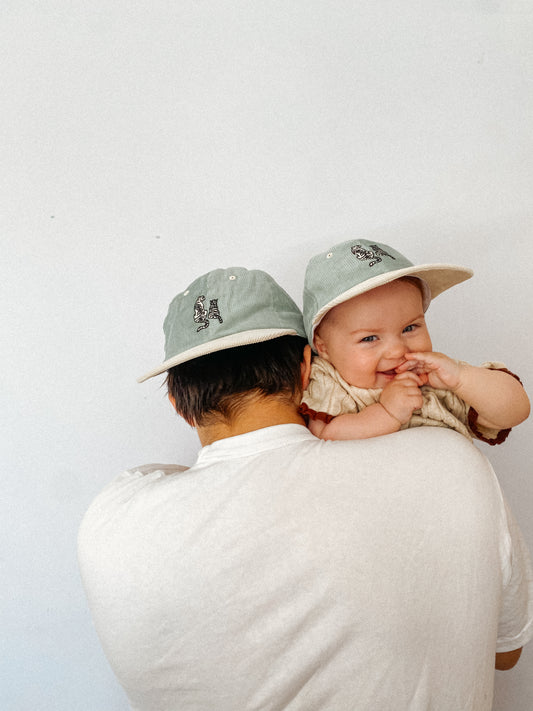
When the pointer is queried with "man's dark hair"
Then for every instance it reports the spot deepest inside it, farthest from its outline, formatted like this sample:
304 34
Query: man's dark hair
219 384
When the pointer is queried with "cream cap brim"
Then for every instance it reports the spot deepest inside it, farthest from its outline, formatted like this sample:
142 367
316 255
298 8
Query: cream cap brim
438 278
238 339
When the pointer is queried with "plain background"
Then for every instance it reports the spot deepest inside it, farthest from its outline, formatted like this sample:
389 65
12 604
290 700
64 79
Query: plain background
144 143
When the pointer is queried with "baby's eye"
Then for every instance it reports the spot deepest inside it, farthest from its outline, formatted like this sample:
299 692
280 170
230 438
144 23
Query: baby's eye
369 339
410 328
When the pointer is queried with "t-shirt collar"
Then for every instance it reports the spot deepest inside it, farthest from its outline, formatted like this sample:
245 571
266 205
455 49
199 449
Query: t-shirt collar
261 440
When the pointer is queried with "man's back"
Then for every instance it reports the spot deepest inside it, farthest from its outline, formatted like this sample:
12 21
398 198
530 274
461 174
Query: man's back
284 572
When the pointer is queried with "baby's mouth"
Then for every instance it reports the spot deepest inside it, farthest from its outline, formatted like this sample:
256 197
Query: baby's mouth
389 373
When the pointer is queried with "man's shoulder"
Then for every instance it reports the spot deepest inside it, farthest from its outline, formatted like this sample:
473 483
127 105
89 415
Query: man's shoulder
430 448
420 437
130 494
166 469
128 484
140 477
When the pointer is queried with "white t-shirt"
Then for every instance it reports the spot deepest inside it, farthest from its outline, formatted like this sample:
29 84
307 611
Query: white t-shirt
285 572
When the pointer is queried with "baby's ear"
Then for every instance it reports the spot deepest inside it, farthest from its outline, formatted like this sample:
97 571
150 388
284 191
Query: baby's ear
305 367
320 346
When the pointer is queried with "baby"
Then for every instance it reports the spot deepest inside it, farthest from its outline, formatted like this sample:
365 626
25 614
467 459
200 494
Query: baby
376 372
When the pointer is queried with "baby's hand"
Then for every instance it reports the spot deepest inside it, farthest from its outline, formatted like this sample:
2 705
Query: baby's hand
437 369
402 396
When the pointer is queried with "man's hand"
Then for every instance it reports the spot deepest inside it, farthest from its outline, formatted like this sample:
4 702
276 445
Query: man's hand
402 395
440 371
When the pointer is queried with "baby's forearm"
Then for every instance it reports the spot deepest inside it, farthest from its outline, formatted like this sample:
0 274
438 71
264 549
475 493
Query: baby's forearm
499 399
373 421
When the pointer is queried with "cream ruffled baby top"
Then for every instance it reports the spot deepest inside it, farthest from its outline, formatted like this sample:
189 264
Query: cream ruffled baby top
329 395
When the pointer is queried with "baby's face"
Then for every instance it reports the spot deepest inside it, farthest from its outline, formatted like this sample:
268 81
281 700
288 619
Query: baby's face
366 338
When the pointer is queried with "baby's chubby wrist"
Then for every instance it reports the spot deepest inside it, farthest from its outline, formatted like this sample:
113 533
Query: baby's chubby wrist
464 373
393 420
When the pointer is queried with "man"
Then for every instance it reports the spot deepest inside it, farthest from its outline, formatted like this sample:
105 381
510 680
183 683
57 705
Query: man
286 572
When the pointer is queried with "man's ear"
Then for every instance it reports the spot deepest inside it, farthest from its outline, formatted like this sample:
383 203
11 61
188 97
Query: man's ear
305 367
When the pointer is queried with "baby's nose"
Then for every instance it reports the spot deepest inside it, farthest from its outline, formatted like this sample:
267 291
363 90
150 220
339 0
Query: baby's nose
396 349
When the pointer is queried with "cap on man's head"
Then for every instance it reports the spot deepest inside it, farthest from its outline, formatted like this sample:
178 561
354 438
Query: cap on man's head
356 266
223 309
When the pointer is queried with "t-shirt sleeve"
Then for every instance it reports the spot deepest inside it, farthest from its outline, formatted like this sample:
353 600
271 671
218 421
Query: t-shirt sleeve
515 627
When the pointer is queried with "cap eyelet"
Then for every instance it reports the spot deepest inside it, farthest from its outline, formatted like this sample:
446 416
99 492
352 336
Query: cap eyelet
329 255
232 277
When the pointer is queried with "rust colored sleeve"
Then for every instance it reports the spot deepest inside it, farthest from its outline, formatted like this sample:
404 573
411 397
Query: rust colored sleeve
309 414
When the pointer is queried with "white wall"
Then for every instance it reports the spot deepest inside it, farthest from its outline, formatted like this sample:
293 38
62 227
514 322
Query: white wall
147 142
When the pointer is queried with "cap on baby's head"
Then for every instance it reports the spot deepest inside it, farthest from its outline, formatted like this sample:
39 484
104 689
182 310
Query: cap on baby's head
356 266
223 309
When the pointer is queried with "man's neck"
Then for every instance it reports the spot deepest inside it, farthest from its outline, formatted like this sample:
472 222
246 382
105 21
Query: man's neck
260 413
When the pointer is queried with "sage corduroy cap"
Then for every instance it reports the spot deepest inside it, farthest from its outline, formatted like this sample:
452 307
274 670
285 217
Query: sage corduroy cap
356 266
223 309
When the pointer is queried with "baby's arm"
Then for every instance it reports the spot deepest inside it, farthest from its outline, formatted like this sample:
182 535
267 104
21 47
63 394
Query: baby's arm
398 400
499 399
374 420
